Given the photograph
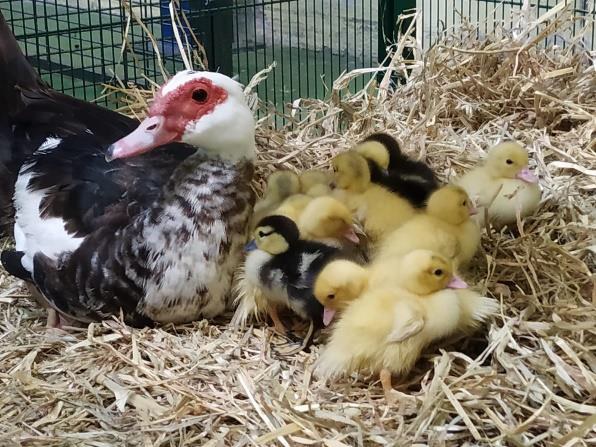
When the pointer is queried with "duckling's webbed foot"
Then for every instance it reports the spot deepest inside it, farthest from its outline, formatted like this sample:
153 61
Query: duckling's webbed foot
298 344
279 327
385 376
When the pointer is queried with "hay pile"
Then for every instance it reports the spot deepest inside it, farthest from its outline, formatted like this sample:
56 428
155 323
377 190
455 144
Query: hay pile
527 379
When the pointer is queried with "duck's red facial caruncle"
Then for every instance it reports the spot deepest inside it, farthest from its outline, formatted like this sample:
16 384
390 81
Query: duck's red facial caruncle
177 105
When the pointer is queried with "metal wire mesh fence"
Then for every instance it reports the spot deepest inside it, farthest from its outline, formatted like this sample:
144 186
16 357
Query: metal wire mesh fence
440 15
80 44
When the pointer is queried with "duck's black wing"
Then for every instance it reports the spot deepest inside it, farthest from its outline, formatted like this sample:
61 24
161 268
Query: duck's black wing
87 192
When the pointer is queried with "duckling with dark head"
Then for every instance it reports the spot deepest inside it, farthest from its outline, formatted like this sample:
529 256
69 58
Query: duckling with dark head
284 267
413 179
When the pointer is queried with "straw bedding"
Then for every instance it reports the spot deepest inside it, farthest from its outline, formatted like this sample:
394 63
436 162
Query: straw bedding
525 379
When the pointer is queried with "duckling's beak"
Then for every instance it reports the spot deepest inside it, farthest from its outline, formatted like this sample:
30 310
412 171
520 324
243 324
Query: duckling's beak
351 235
457 283
527 176
473 210
252 245
328 315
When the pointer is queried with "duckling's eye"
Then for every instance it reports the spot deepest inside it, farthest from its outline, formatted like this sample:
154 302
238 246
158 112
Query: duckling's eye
509 161
331 296
438 272
262 234
200 95
464 203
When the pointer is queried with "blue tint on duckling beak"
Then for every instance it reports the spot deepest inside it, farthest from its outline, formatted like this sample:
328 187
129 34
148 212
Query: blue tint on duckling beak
252 245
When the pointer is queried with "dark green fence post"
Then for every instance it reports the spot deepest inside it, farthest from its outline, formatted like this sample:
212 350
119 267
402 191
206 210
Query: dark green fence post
212 22
405 6
386 20
389 11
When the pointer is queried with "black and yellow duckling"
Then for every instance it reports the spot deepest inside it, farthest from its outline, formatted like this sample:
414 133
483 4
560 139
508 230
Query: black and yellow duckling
389 167
284 267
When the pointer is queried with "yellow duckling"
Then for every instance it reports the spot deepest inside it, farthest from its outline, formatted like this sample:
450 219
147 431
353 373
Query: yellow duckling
337 285
374 151
379 210
504 185
292 207
280 186
326 219
444 227
385 330
315 183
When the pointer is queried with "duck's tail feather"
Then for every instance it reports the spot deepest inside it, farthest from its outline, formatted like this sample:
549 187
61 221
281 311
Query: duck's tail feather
16 74
11 261
15 71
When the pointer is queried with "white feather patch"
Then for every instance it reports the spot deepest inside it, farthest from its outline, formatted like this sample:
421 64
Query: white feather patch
49 144
305 262
37 234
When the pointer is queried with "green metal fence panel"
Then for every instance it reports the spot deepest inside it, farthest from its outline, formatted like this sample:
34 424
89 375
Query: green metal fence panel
437 16
78 44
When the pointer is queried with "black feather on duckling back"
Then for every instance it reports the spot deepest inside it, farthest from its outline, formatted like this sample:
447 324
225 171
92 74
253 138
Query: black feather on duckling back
411 179
288 276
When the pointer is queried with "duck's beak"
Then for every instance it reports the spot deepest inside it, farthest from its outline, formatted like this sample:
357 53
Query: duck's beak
473 210
527 176
457 283
328 315
252 245
151 133
350 234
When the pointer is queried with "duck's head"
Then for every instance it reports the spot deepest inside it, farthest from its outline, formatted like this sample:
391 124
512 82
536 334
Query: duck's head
326 217
424 272
351 172
203 109
282 184
274 235
510 160
337 285
451 204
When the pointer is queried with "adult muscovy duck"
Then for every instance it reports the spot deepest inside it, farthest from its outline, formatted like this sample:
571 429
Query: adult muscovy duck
115 217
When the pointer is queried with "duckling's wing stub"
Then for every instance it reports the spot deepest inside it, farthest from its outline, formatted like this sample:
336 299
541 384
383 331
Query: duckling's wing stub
407 323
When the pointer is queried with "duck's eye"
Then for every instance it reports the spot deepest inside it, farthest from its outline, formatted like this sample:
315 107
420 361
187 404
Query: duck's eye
509 161
331 296
200 95
464 203
261 234
438 272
